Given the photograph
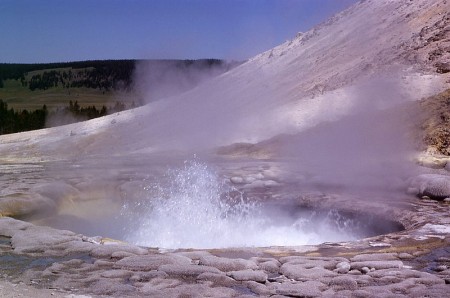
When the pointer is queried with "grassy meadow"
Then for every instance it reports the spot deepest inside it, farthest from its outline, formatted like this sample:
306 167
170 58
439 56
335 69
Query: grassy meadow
31 94
21 97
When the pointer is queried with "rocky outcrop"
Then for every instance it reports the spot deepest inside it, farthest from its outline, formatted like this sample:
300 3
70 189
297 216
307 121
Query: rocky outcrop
434 186
130 271
432 43
299 84
436 122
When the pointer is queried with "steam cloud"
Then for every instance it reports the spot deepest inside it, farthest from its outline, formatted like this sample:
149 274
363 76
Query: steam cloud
367 144
369 148
224 110
157 79
197 211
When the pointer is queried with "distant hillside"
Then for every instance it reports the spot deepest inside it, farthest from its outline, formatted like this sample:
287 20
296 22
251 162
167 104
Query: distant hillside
30 86
34 96
101 74
92 74
372 56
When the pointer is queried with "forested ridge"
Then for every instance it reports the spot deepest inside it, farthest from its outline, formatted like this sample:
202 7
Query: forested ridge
91 74
104 75
99 74
13 121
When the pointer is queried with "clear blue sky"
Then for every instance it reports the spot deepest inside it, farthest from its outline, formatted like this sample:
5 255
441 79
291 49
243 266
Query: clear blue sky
62 30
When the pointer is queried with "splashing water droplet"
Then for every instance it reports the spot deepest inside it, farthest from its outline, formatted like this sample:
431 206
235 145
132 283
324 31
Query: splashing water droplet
197 210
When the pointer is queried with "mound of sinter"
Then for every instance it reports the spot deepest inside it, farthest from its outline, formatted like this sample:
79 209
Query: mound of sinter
434 186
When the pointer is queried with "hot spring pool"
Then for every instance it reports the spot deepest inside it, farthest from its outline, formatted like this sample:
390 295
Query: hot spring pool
196 208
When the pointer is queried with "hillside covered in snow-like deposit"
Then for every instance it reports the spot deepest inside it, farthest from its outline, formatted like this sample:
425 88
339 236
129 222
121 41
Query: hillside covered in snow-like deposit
374 55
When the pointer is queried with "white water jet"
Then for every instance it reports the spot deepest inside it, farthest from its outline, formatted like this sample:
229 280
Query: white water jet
197 210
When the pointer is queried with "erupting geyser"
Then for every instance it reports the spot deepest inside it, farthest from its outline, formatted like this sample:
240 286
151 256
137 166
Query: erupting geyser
198 210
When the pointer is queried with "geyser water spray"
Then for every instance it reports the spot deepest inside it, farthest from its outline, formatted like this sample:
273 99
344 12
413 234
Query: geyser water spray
199 210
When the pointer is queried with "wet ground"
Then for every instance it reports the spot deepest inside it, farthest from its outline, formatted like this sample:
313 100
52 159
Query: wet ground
107 197
84 196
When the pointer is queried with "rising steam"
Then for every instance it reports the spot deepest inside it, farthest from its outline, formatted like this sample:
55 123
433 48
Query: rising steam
197 210
368 149
159 79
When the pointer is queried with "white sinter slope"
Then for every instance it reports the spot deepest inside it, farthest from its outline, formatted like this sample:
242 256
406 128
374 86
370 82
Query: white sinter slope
318 76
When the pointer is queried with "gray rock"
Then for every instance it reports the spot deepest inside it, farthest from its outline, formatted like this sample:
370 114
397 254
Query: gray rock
150 262
9 226
386 280
199 290
219 279
187 269
441 268
121 254
43 240
341 294
258 288
300 273
405 256
343 283
111 287
278 296
106 251
343 267
376 264
54 269
79 247
434 186
365 270
355 272
407 274
375 257
225 264
433 280
103 264
146 276
116 273
72 263
154 286
247 275
304 289
396 286
439 290
175 288
270 266
306 270
377 291
324 262
361 294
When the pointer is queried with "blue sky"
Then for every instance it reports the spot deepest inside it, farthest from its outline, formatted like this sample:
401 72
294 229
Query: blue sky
62 30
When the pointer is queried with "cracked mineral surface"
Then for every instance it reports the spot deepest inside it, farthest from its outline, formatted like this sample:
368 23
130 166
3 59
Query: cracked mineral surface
413 263
315 123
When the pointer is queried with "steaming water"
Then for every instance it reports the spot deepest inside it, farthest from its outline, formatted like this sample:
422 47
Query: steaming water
198 210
